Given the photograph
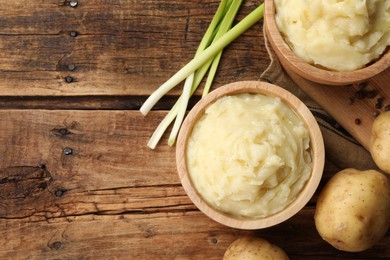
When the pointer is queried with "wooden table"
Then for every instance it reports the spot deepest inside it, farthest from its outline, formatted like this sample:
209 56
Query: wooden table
76 178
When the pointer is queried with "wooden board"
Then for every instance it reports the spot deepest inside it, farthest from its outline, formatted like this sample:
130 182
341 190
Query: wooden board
113 197
346 104
121 48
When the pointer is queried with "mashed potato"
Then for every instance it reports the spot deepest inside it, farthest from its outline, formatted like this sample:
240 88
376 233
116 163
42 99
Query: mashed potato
341 35
249 155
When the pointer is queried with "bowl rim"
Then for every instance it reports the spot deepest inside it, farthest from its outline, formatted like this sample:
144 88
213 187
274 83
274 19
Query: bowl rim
317 147
288 58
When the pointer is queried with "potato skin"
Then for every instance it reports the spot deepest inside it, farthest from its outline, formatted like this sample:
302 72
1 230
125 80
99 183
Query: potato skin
353 209
253 248
380 141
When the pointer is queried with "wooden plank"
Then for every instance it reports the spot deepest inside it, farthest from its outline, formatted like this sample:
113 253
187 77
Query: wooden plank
110 196
160 236
122 47
113 197
107 142
119 237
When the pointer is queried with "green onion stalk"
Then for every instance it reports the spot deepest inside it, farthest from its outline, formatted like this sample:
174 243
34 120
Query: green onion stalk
218 35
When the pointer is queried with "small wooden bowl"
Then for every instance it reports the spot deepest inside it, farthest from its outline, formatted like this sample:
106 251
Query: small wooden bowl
317 150
310 72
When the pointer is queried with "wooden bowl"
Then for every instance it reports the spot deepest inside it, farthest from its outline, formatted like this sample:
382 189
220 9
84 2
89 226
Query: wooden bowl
310 72
317 150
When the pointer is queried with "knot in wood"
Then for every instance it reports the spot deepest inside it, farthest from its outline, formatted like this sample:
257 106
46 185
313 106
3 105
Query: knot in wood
56 245
20 182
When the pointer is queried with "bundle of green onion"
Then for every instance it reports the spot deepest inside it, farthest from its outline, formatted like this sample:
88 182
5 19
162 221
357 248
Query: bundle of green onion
218 35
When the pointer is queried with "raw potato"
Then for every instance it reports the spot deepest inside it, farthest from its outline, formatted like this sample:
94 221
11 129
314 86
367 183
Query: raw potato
380 141
353 209
253 248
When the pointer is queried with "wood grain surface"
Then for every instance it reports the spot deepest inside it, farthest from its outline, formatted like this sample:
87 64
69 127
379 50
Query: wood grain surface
121 48
76 178
112 196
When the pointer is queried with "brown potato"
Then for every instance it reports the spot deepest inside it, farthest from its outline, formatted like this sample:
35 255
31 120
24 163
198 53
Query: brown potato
353 209
252 248
380 141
